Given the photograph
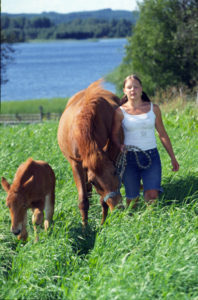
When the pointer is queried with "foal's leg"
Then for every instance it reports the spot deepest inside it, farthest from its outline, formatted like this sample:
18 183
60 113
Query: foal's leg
37 219
80 181
23 235
49 209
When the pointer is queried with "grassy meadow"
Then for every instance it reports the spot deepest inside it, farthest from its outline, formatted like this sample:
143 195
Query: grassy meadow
54 105
149 253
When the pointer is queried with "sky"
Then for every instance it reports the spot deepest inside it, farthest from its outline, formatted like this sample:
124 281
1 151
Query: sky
64 6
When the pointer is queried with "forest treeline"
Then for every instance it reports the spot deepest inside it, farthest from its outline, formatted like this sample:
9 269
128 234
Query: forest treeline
23 28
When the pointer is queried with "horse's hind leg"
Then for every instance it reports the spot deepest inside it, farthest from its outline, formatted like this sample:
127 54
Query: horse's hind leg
80 179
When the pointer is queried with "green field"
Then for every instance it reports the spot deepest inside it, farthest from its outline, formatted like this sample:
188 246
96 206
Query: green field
54 105
149 253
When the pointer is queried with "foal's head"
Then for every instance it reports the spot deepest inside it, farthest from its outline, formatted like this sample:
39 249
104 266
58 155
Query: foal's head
17 203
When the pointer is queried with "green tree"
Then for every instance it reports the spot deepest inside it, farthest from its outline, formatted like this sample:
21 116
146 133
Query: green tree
6 57
163 49
6 51
41 22
5 22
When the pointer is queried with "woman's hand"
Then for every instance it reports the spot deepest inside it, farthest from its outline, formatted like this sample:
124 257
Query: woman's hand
122 148
165 138
175 165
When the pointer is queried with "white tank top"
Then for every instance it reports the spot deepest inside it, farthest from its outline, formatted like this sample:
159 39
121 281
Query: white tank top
139 130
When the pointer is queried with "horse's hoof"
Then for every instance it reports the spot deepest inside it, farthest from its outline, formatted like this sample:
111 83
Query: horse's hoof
84 223
102 222
22 237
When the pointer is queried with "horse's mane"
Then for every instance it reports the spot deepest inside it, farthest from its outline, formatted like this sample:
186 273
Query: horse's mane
95 90
95 97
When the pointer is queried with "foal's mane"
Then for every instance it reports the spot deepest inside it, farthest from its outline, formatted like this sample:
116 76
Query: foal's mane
23 173
95 97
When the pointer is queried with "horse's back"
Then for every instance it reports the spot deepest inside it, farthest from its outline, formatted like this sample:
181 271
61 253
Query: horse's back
87 111
67 125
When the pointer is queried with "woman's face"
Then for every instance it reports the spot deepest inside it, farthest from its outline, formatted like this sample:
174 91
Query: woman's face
133 89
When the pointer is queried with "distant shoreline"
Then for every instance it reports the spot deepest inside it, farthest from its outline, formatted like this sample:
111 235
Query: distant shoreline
94 40
76 26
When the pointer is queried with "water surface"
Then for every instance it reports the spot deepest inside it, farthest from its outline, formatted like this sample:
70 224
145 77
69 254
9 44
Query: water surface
60 68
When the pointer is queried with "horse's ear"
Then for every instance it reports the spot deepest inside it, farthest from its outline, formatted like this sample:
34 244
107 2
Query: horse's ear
5 184
28 184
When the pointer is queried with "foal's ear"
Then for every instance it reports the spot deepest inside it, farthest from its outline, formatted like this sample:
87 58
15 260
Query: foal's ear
28 184
5 184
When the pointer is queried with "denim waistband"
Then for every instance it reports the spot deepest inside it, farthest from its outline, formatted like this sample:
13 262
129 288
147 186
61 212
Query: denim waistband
147 151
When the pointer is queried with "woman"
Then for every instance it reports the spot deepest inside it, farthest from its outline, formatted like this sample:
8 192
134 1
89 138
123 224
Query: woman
139 117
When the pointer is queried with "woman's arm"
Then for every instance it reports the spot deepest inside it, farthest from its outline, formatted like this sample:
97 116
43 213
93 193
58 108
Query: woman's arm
164 137
116 128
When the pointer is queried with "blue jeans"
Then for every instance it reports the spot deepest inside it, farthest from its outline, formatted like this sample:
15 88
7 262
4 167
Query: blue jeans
151 177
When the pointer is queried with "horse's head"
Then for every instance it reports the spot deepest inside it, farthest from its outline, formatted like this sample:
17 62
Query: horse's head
107 183
17 204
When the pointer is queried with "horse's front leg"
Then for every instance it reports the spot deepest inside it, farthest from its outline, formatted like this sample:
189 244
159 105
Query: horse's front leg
89 188
104 210
80 179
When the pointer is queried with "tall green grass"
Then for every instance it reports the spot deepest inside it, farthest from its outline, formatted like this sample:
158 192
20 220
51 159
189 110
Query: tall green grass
149 253
54 105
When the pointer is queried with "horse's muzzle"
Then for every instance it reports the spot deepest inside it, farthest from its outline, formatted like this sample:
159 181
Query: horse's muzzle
16 232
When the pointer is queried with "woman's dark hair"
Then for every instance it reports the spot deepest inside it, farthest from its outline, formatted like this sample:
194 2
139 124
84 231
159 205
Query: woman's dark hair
144 97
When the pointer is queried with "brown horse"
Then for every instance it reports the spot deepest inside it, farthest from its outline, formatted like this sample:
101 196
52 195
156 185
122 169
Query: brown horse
84 137
33 187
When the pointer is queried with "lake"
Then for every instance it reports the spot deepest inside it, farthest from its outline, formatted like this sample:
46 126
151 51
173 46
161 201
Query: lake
60 68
